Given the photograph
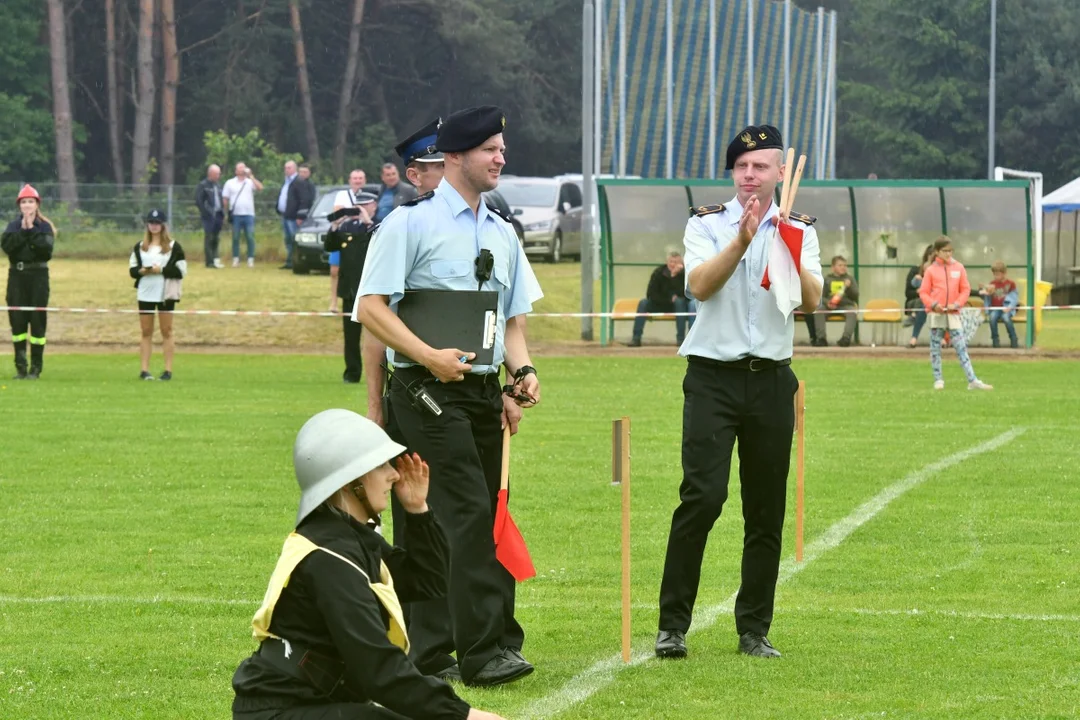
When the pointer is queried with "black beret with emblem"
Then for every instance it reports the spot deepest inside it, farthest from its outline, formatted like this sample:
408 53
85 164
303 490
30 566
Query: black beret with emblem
467 129
754 137
420 146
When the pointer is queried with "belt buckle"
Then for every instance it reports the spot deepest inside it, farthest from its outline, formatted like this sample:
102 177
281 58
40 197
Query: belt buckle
757 360
19 266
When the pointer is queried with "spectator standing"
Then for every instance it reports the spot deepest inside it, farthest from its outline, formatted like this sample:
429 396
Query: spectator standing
917 316
347 198
238 196
158 266
666 293
347 243
301 197
944 291
208 201
28 243
1001 298
287 226
843 295
393 192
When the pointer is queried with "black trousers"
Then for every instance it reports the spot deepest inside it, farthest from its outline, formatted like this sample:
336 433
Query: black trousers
211 236
28 287
722 405
336 711
354 362
463 448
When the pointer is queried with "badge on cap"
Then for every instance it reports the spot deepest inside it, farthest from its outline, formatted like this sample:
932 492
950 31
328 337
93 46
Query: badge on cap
748 141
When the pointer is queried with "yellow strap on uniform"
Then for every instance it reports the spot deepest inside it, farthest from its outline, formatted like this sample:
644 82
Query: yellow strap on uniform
296 548
37 340
18 338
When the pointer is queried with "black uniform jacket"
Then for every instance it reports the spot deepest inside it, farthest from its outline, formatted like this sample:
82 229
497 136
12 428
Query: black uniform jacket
329 607
351 240
28 246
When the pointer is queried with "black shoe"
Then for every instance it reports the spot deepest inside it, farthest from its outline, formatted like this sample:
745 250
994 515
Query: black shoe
20 374
671 644
499 670
844 341
449 673
757 646
515 654
820 342
634 342
167 375
145 376
1014 344
34 374
350 381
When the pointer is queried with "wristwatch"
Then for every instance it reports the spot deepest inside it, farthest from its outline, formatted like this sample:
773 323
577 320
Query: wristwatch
523 371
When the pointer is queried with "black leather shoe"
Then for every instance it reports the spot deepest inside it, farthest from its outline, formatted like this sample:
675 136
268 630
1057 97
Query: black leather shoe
671 644
757 646
499 670
449 673
515 654
34 374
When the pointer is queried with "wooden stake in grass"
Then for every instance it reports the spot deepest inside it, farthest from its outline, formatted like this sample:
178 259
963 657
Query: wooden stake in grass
620 475
800 452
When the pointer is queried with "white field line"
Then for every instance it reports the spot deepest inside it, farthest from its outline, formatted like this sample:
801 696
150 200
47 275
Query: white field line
602 673
966 615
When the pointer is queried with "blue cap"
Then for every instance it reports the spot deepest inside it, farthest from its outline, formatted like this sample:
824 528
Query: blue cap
420 146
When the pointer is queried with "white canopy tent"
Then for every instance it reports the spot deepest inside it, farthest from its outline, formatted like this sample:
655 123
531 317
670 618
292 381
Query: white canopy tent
1062 259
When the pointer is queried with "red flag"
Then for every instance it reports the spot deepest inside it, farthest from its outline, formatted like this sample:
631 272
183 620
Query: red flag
510 549
793 239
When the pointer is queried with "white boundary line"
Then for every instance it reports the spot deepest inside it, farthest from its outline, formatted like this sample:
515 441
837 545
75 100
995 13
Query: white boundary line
602 673
965 615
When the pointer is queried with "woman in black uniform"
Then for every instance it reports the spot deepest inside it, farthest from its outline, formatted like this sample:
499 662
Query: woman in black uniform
333 641
28 243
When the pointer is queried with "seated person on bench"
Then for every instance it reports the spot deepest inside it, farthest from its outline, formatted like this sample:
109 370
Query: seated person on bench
841 293
666 293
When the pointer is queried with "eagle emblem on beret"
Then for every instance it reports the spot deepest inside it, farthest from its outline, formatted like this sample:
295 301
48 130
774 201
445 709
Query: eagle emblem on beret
748 141
503 121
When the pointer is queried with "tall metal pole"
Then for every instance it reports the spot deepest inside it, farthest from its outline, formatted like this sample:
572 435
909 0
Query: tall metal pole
598 81
588 111
820 92
622 88
828 100
787 75
832 125
669 131
713 130
749 62
993 90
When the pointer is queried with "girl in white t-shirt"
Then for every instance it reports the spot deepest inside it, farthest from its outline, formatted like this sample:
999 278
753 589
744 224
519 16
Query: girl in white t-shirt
158 266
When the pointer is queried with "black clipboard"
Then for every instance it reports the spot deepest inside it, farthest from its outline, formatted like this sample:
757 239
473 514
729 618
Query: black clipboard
463 319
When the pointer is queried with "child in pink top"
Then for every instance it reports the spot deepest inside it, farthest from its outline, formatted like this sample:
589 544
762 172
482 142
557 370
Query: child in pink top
944 291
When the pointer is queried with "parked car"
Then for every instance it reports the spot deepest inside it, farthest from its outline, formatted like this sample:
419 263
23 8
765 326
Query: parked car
495 198
549 210
309 254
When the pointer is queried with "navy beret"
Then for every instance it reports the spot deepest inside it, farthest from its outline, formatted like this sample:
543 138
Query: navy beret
467 129
753 137
420 146
155 216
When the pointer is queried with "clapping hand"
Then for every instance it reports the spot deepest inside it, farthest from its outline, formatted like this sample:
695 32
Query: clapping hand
749 222
412 484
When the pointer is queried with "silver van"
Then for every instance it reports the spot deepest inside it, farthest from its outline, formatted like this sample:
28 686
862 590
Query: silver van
550 212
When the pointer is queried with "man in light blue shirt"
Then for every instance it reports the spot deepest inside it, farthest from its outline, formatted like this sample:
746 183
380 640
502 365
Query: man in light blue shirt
739 386
287 225
433 243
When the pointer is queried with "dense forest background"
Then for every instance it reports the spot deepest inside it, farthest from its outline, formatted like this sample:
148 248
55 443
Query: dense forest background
137 92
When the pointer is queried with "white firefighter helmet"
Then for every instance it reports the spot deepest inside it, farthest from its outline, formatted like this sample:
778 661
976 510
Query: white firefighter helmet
334 448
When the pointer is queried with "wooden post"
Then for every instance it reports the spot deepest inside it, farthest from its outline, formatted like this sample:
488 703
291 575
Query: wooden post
800 452
620 472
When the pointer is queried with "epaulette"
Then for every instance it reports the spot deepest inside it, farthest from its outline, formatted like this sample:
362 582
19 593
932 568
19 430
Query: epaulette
805 219
706 210
375 227
495 210
419 199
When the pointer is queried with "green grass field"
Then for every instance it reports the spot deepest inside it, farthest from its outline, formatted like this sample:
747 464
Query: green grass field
141 522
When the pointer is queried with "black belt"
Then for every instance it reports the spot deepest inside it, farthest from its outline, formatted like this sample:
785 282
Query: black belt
29 266
420 370
753 364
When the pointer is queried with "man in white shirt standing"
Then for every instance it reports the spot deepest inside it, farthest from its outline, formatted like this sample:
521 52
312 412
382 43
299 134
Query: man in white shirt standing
239 198
287 225
348 198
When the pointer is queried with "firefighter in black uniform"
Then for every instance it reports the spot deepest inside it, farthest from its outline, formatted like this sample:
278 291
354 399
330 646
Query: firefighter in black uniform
332 641
28 243
350 233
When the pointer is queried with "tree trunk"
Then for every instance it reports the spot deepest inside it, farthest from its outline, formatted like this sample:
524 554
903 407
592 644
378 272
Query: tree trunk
144 103
305 88
348 88
65 145
111 79
171 60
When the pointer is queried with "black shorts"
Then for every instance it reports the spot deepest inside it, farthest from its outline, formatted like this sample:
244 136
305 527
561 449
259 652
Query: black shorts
150 307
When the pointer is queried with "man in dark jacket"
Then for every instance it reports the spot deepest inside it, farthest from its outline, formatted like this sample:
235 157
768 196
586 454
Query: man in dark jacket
393 192
666 293
208 200
301 196
347 242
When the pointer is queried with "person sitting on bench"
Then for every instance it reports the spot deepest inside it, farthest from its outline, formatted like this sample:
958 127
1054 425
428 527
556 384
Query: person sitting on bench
666 293
841 293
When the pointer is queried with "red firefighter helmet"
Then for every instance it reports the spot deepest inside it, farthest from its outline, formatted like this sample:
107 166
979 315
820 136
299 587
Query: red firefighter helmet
28 191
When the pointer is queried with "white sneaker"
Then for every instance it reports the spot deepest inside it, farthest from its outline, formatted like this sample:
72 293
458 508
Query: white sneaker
251 262
236 262
979 385
218 263
939 384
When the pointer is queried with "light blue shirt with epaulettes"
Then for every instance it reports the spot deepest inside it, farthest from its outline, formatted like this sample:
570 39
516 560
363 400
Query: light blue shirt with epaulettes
433 245
741 319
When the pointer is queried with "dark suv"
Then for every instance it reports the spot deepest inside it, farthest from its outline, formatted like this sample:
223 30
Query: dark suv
309 253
